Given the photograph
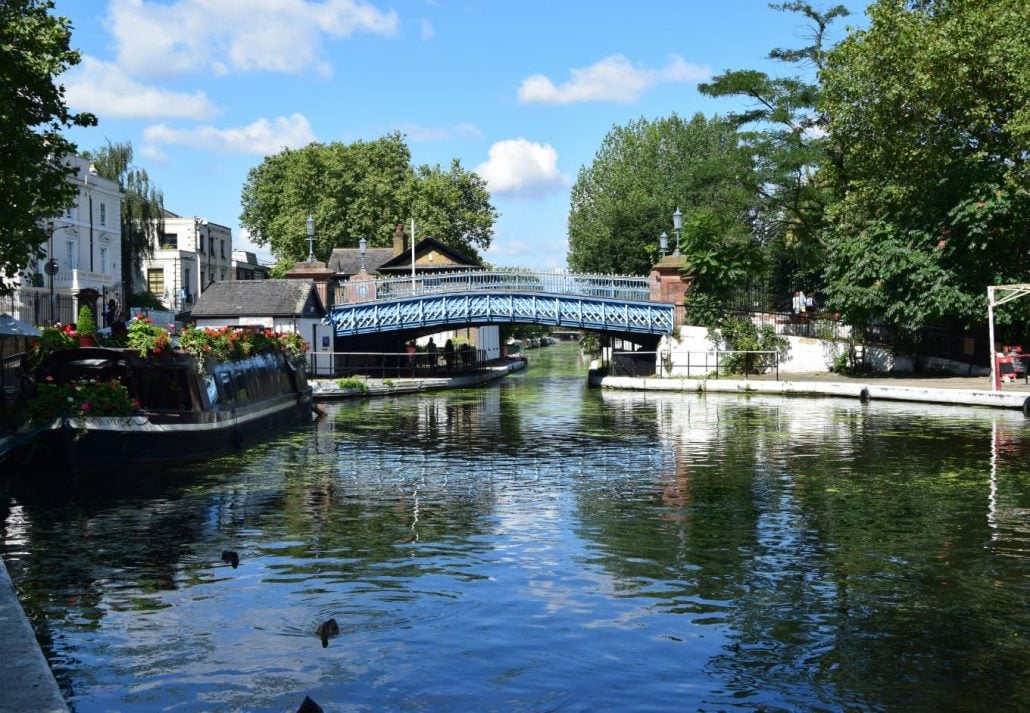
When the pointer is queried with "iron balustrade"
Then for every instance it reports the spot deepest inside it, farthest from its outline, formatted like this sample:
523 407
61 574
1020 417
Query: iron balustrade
398 365
623 287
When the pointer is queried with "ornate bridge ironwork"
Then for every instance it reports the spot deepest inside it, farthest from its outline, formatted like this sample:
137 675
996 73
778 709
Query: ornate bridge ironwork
419 313
606 303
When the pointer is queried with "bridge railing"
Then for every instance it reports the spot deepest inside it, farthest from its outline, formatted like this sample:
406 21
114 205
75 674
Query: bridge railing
625 287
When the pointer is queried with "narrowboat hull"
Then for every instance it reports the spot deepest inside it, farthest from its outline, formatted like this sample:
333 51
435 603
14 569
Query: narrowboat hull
96 445
197 413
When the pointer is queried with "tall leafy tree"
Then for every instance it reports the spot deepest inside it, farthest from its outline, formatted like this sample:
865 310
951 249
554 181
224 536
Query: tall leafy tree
931 108
360 190
34 50
787 134
142 207
452 206
643 171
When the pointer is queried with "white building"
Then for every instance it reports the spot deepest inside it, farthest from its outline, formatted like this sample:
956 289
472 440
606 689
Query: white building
245 266
189 255
86 248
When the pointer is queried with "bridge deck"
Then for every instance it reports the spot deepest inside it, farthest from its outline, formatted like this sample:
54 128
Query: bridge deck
418 313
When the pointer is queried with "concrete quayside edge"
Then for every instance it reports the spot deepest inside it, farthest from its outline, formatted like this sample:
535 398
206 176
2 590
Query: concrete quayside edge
872 390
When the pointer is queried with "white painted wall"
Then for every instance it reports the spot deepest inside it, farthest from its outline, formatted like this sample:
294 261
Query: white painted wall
806 356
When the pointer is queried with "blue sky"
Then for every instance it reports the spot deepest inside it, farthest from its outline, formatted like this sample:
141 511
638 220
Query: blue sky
523 92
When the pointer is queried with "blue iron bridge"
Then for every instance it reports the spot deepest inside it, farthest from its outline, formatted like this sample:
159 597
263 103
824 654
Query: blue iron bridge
616 305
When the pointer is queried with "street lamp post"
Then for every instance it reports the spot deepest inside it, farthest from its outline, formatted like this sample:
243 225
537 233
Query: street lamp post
311 238
663 242
362 244
89 195
51 269
677 225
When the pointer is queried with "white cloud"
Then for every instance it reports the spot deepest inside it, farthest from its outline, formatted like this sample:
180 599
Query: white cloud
262 137
613 79
427 31
153 153
104 89
224 36
241 241
522 168
422 134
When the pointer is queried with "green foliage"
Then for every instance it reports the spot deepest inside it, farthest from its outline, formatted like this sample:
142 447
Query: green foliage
352 383
147 338
453 207
146 300
791 147
86 324
742 335
625 199
34 49
522 331
81 398
361 190
590 344
142 210
51 339
930 107
702 309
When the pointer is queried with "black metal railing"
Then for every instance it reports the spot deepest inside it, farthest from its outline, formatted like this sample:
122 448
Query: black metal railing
397 365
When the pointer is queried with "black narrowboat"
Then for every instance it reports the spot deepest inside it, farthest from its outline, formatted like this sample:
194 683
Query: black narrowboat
184 410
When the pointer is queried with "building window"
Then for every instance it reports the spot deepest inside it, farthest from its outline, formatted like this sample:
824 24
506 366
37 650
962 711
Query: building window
103 261
103 213
168 240
69 255
186 280
221 246
156 281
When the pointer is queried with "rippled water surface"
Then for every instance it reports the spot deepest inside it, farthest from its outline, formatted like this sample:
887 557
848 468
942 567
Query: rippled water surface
536 545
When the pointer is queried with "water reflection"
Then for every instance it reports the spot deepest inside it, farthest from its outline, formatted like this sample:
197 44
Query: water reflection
538 545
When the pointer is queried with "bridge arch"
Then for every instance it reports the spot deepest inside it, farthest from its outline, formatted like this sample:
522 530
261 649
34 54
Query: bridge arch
639 321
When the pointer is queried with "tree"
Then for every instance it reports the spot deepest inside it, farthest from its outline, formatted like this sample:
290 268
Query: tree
453 207
361 190
34 49
790 144
624 200
931 108
142 207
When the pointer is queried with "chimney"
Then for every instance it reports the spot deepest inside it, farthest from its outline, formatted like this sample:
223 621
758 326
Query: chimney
398 240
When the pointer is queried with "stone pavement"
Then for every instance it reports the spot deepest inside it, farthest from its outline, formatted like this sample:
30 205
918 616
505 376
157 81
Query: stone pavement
936 389
26 681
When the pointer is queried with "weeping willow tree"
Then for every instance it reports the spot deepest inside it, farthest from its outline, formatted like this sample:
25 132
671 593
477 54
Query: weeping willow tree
142 208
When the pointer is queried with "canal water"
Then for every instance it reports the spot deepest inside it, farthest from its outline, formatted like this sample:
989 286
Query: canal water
536 545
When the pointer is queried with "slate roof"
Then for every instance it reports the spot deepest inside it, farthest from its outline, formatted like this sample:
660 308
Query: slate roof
256 298
347 261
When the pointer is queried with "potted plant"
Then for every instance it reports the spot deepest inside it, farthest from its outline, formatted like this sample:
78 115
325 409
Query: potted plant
86 327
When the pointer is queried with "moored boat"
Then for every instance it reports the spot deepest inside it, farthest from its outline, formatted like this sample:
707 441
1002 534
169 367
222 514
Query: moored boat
181 407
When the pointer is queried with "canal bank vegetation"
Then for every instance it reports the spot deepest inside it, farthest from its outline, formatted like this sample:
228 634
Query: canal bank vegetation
885 175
